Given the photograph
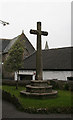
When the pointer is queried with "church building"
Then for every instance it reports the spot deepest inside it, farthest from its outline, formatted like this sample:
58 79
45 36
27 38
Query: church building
57 64
7 44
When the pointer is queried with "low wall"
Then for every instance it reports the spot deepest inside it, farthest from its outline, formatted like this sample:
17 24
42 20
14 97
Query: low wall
13 83
57 84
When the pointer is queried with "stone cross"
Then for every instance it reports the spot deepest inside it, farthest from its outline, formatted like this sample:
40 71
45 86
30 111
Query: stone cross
39 65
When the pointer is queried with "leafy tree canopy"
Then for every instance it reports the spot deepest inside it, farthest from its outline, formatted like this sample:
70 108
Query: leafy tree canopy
15 57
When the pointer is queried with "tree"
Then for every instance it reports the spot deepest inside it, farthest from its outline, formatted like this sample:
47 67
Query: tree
15 58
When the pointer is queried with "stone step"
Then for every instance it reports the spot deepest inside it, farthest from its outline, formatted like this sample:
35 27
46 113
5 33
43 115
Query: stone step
39 89
36 89
39 83
40 95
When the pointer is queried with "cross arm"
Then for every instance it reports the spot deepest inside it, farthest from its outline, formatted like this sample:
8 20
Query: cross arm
44 33
38 32
33 31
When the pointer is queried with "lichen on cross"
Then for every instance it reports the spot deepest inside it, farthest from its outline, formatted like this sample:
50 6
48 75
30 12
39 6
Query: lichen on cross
39 65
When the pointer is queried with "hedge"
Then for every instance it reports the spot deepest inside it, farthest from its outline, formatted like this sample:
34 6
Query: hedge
13 83
56 84
62 85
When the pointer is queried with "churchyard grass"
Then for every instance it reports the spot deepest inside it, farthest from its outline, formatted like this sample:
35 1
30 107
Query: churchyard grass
63 100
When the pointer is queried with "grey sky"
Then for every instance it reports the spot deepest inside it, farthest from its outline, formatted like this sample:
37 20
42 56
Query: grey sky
23 15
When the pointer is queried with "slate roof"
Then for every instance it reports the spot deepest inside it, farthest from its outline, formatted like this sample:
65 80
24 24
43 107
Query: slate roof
3 44
7 43
53 59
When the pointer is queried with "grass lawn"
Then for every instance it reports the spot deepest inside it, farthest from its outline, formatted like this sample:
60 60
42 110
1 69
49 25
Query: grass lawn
62 100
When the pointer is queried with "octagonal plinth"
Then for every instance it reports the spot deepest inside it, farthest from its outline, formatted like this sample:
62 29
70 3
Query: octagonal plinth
39 89
39 95
39 83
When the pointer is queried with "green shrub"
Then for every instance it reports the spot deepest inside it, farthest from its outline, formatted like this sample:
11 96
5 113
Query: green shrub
54 84
62 85
66 86
70 83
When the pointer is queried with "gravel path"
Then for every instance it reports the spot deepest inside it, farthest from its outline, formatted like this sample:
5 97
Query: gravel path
9 111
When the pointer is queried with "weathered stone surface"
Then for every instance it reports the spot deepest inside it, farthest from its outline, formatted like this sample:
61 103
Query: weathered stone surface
39 65
40 83
39 95
38 87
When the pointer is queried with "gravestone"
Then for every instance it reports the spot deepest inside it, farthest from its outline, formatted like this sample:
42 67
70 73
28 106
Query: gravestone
39 87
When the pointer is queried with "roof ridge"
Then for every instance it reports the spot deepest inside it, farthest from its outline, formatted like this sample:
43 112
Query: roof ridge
46 50
57 48
5 39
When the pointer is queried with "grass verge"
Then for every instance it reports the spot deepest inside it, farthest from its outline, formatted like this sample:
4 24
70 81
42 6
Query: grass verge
61 104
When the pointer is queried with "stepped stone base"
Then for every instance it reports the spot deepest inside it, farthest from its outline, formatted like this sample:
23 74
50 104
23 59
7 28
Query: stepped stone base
39 95
39 89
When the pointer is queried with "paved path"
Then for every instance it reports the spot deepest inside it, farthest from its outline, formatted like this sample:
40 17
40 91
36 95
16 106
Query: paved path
9 111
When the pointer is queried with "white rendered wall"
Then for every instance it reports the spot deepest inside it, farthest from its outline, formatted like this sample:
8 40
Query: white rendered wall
28 72
60 75
15 76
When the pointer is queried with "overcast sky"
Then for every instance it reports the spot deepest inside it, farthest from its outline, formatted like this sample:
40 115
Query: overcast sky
24 15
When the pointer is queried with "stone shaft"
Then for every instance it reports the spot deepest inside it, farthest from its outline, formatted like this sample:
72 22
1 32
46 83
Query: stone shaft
39 65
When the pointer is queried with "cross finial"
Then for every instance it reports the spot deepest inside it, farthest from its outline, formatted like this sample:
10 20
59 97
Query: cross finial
22 31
